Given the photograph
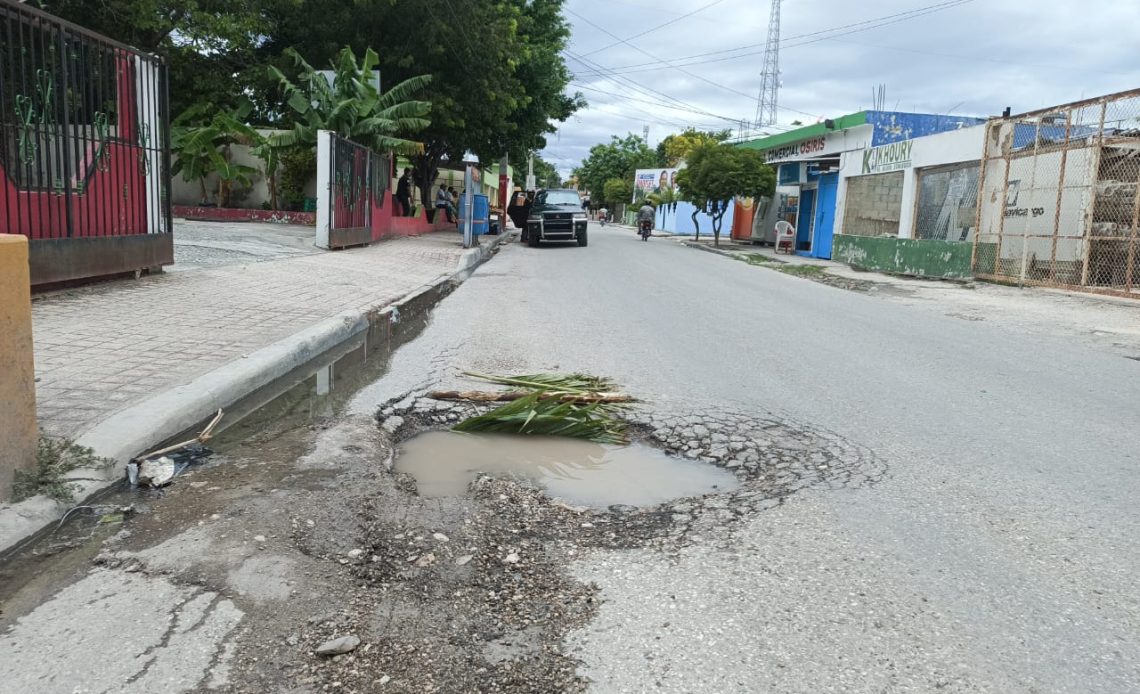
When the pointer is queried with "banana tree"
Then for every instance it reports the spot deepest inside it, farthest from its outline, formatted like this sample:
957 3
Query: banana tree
205 149
351 105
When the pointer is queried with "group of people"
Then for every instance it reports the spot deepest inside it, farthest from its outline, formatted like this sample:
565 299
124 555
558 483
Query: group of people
446 197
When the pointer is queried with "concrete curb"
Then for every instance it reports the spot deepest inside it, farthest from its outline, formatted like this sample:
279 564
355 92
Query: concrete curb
145 425
721 251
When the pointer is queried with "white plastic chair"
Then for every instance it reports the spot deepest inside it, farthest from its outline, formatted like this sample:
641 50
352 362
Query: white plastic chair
785 235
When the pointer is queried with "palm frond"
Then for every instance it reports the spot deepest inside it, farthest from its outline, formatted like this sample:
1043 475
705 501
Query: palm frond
575 383
403 91
394 144
541 415
407 109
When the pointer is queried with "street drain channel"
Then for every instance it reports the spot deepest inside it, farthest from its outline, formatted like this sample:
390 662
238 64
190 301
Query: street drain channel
443 463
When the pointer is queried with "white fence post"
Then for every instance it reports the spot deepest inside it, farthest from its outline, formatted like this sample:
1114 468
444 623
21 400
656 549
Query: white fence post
324 188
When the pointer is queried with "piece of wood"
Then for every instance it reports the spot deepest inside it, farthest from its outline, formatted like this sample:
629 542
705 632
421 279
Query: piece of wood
203 437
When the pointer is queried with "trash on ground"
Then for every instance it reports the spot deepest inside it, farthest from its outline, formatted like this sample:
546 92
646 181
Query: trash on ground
573 405
159 468
340 645
156 472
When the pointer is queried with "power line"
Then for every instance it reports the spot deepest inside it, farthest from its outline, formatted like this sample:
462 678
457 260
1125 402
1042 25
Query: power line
792 41
700 9
626 97
691 74
644 91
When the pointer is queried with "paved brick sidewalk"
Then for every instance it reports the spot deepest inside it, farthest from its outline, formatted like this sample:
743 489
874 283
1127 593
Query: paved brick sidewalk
101 348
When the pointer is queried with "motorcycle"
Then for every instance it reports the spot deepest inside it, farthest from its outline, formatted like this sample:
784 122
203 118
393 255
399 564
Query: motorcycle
646 229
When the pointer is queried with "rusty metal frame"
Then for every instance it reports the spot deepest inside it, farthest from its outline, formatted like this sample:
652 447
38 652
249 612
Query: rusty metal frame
1090 208
1075 137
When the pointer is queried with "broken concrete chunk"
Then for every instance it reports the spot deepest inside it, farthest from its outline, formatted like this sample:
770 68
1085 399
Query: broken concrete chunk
339 645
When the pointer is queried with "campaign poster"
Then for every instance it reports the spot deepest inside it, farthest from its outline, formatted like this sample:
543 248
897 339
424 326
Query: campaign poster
646 181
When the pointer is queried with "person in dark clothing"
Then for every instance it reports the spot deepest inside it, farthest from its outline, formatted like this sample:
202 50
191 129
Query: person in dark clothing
404 192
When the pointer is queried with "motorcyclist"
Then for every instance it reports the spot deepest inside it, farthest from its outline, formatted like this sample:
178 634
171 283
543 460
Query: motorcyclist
646 213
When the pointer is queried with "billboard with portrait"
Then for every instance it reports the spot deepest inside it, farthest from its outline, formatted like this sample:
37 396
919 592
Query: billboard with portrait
646 181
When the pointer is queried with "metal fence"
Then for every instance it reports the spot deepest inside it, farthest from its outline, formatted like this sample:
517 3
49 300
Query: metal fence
83 131
1059 204
358 178
84 148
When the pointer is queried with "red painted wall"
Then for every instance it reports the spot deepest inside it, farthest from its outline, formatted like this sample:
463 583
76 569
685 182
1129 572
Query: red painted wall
113 201
386 221
742 221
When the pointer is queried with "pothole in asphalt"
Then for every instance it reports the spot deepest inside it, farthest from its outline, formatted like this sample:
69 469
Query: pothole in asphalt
444 463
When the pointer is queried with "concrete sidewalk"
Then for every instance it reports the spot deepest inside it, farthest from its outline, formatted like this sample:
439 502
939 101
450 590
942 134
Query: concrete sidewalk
122 366
1107 323
101 348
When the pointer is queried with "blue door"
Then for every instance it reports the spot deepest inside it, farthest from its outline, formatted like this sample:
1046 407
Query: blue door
803 220
824 227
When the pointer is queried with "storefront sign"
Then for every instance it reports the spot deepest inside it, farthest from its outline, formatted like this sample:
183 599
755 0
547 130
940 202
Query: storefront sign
796 150
892 157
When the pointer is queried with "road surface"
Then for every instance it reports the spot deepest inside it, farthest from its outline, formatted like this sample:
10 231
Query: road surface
997 553
929 502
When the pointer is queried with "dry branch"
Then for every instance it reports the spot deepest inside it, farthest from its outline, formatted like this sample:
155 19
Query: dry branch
511 395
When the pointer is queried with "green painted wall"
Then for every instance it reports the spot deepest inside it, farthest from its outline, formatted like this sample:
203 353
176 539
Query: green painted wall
921 258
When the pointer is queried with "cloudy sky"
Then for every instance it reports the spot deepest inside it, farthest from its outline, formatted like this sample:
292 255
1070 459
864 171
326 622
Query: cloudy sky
673 63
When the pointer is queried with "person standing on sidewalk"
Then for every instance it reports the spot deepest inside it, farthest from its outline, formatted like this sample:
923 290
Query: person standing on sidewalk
404 192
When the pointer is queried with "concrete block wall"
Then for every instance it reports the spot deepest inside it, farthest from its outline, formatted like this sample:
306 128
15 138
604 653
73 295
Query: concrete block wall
873 205
18 432
914 257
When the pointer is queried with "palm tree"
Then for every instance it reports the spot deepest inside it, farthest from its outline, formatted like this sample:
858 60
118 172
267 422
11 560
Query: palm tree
665 200
351 106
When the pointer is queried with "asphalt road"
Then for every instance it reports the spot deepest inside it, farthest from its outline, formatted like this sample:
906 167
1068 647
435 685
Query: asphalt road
997 554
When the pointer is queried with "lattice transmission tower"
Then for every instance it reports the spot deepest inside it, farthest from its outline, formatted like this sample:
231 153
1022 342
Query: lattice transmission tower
770 76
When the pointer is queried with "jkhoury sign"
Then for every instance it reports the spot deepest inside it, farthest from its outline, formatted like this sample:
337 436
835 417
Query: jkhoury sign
892 157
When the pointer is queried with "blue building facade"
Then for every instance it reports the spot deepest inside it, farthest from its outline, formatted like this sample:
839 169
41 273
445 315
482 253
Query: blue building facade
808 159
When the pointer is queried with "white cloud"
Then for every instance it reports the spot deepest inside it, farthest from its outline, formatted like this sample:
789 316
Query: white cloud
975 58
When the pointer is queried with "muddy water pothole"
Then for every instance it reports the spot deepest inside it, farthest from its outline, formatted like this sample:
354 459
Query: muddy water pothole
444 463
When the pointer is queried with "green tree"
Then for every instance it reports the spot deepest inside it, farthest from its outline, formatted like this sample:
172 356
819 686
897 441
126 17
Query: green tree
207 43
676 148
617 191
715 174
617 159
545 174
202 144
499 78
351 105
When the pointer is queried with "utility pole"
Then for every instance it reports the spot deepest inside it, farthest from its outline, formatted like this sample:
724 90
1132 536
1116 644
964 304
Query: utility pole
530 185
770 75
504 181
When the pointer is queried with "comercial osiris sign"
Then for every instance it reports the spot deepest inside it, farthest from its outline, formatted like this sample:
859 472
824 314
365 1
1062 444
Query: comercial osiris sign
797 149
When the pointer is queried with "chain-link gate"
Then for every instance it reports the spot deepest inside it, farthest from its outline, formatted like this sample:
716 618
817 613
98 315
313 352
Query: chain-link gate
1059 204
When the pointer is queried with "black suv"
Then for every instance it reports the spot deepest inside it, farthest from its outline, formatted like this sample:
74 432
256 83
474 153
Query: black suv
556 215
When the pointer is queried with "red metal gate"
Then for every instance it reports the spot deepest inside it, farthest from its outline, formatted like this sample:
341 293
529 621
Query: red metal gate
84 151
